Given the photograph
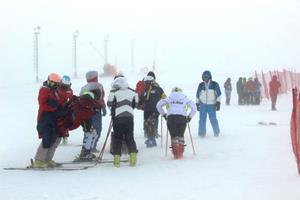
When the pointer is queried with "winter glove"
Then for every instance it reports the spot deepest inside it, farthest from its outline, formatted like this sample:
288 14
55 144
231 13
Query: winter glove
52 103
218 105
188 119
198 106
165 116
104 111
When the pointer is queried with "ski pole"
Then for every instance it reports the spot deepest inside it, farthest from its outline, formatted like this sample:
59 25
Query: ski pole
166 152
194 152
161 132
104 144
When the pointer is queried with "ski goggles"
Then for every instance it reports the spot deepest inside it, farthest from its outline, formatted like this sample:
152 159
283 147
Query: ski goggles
205 77
53 84
65 86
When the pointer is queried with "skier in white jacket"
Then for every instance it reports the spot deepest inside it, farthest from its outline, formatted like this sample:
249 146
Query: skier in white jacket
177 118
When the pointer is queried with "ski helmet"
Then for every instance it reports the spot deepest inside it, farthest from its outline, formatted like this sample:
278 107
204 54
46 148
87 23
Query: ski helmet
54 77
148 78
88 93
151 73
176 89
66 80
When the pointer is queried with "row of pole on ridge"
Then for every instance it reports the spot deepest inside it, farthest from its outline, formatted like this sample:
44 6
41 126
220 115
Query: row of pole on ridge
37 31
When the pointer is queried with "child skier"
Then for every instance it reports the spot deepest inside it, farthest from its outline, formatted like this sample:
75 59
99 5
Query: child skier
97 88
47 126
121 101
90 132
66 93
177 118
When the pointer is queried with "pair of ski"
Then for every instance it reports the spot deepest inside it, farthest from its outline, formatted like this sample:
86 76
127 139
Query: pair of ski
66 166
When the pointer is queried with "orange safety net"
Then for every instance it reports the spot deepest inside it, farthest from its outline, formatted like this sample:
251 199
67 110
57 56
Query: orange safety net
288 80
295 127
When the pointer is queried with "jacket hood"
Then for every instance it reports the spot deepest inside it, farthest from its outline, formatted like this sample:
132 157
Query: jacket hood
119 83
207 73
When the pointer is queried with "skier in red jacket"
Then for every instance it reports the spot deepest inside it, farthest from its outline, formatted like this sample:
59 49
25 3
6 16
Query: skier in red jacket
274 86
65 93
47 126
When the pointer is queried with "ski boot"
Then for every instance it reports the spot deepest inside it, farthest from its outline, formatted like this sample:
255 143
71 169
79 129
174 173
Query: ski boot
65 141
132 159
85 155
150 143
39 164
117 160
52 163
177 147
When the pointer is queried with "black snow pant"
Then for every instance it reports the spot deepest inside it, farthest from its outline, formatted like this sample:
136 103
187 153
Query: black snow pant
123 129
47 128
151 124
176 125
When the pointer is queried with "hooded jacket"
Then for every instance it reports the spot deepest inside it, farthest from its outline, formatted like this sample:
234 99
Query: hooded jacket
122 99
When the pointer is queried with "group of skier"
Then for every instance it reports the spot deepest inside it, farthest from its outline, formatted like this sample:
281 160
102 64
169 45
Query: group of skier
61 111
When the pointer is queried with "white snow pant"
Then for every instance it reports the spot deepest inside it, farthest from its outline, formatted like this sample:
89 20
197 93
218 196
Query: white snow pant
46 154
89 139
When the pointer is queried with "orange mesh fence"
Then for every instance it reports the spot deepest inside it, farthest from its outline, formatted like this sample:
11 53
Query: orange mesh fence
295 127
287 78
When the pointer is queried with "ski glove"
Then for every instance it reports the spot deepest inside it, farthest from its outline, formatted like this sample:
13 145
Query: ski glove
104 111
165 116
52 103
218 105
198 106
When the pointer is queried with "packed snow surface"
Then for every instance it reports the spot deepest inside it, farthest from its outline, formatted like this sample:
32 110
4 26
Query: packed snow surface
248 160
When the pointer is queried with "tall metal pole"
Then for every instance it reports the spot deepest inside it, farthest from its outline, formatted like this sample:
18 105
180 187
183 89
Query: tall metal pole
36 32
116 61
132 55
105 50
154 56
75 35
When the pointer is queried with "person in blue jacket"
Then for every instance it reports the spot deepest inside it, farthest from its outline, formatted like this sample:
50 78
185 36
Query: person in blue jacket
208 100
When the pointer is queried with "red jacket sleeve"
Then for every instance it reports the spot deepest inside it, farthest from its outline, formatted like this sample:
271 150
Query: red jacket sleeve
44 96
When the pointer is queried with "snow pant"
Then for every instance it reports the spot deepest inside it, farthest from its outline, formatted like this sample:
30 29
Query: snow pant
250 98
97 125
244 98
46 154
228 96
273 100
89 139
210 110
176 125
256 97
151 124
48 129
240 99
123 130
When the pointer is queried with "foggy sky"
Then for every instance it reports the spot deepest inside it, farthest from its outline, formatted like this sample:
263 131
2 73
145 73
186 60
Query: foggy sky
220 35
